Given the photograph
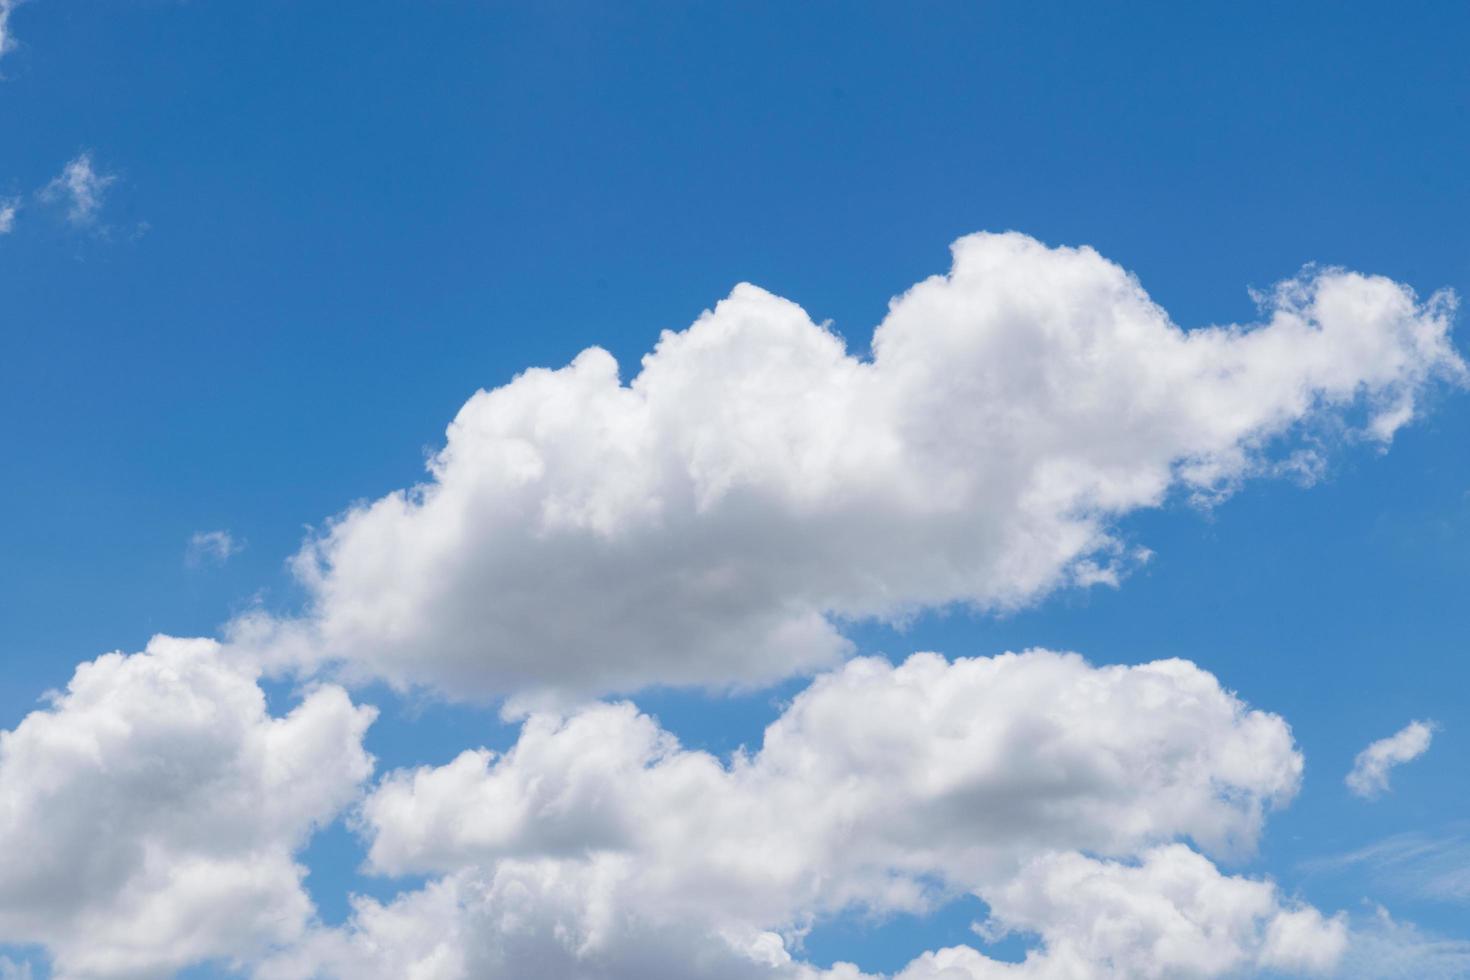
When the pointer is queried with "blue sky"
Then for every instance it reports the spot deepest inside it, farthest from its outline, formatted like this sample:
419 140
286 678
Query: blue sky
327 228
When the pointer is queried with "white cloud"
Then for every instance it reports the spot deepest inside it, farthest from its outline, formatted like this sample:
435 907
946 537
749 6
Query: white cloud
530 922
80 188
10 969
8 208
715 520
211 547
7 42
1369 775
875 780
1171 914
1425 865
149 815
597 847
1383 948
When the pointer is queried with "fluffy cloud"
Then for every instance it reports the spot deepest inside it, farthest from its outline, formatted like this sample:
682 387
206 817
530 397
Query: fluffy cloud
1369 775
80 188
597 847
533 921
1170 915
8 207
149 815
713 521
875 781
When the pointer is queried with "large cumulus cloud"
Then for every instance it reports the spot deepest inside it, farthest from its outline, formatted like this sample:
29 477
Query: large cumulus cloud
149 815
1057 792
712 521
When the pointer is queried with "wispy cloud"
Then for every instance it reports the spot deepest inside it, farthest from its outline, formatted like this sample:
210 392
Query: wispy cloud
8 207
1369 775
80 187
6 41
1383 948
1433 866
211 548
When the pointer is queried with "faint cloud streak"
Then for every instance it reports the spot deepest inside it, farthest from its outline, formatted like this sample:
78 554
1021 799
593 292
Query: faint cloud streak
211 548
7 42
1421 865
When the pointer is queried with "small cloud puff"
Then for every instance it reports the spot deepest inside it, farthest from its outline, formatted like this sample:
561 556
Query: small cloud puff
1369 775
211 548
80 187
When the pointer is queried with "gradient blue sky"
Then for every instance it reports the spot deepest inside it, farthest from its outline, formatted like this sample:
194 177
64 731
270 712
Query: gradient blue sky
331 224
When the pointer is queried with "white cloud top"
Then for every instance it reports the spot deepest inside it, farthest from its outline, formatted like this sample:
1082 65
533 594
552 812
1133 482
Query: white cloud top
1369 775
148 817
597 847
875 780
1171 914
713 521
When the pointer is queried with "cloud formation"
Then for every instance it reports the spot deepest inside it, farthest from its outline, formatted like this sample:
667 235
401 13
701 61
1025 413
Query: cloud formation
876 779
1170 914
1382 948
1369 776
598 847
79 188
7 41
211 547
8 208
715 520
1425 865
149 815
